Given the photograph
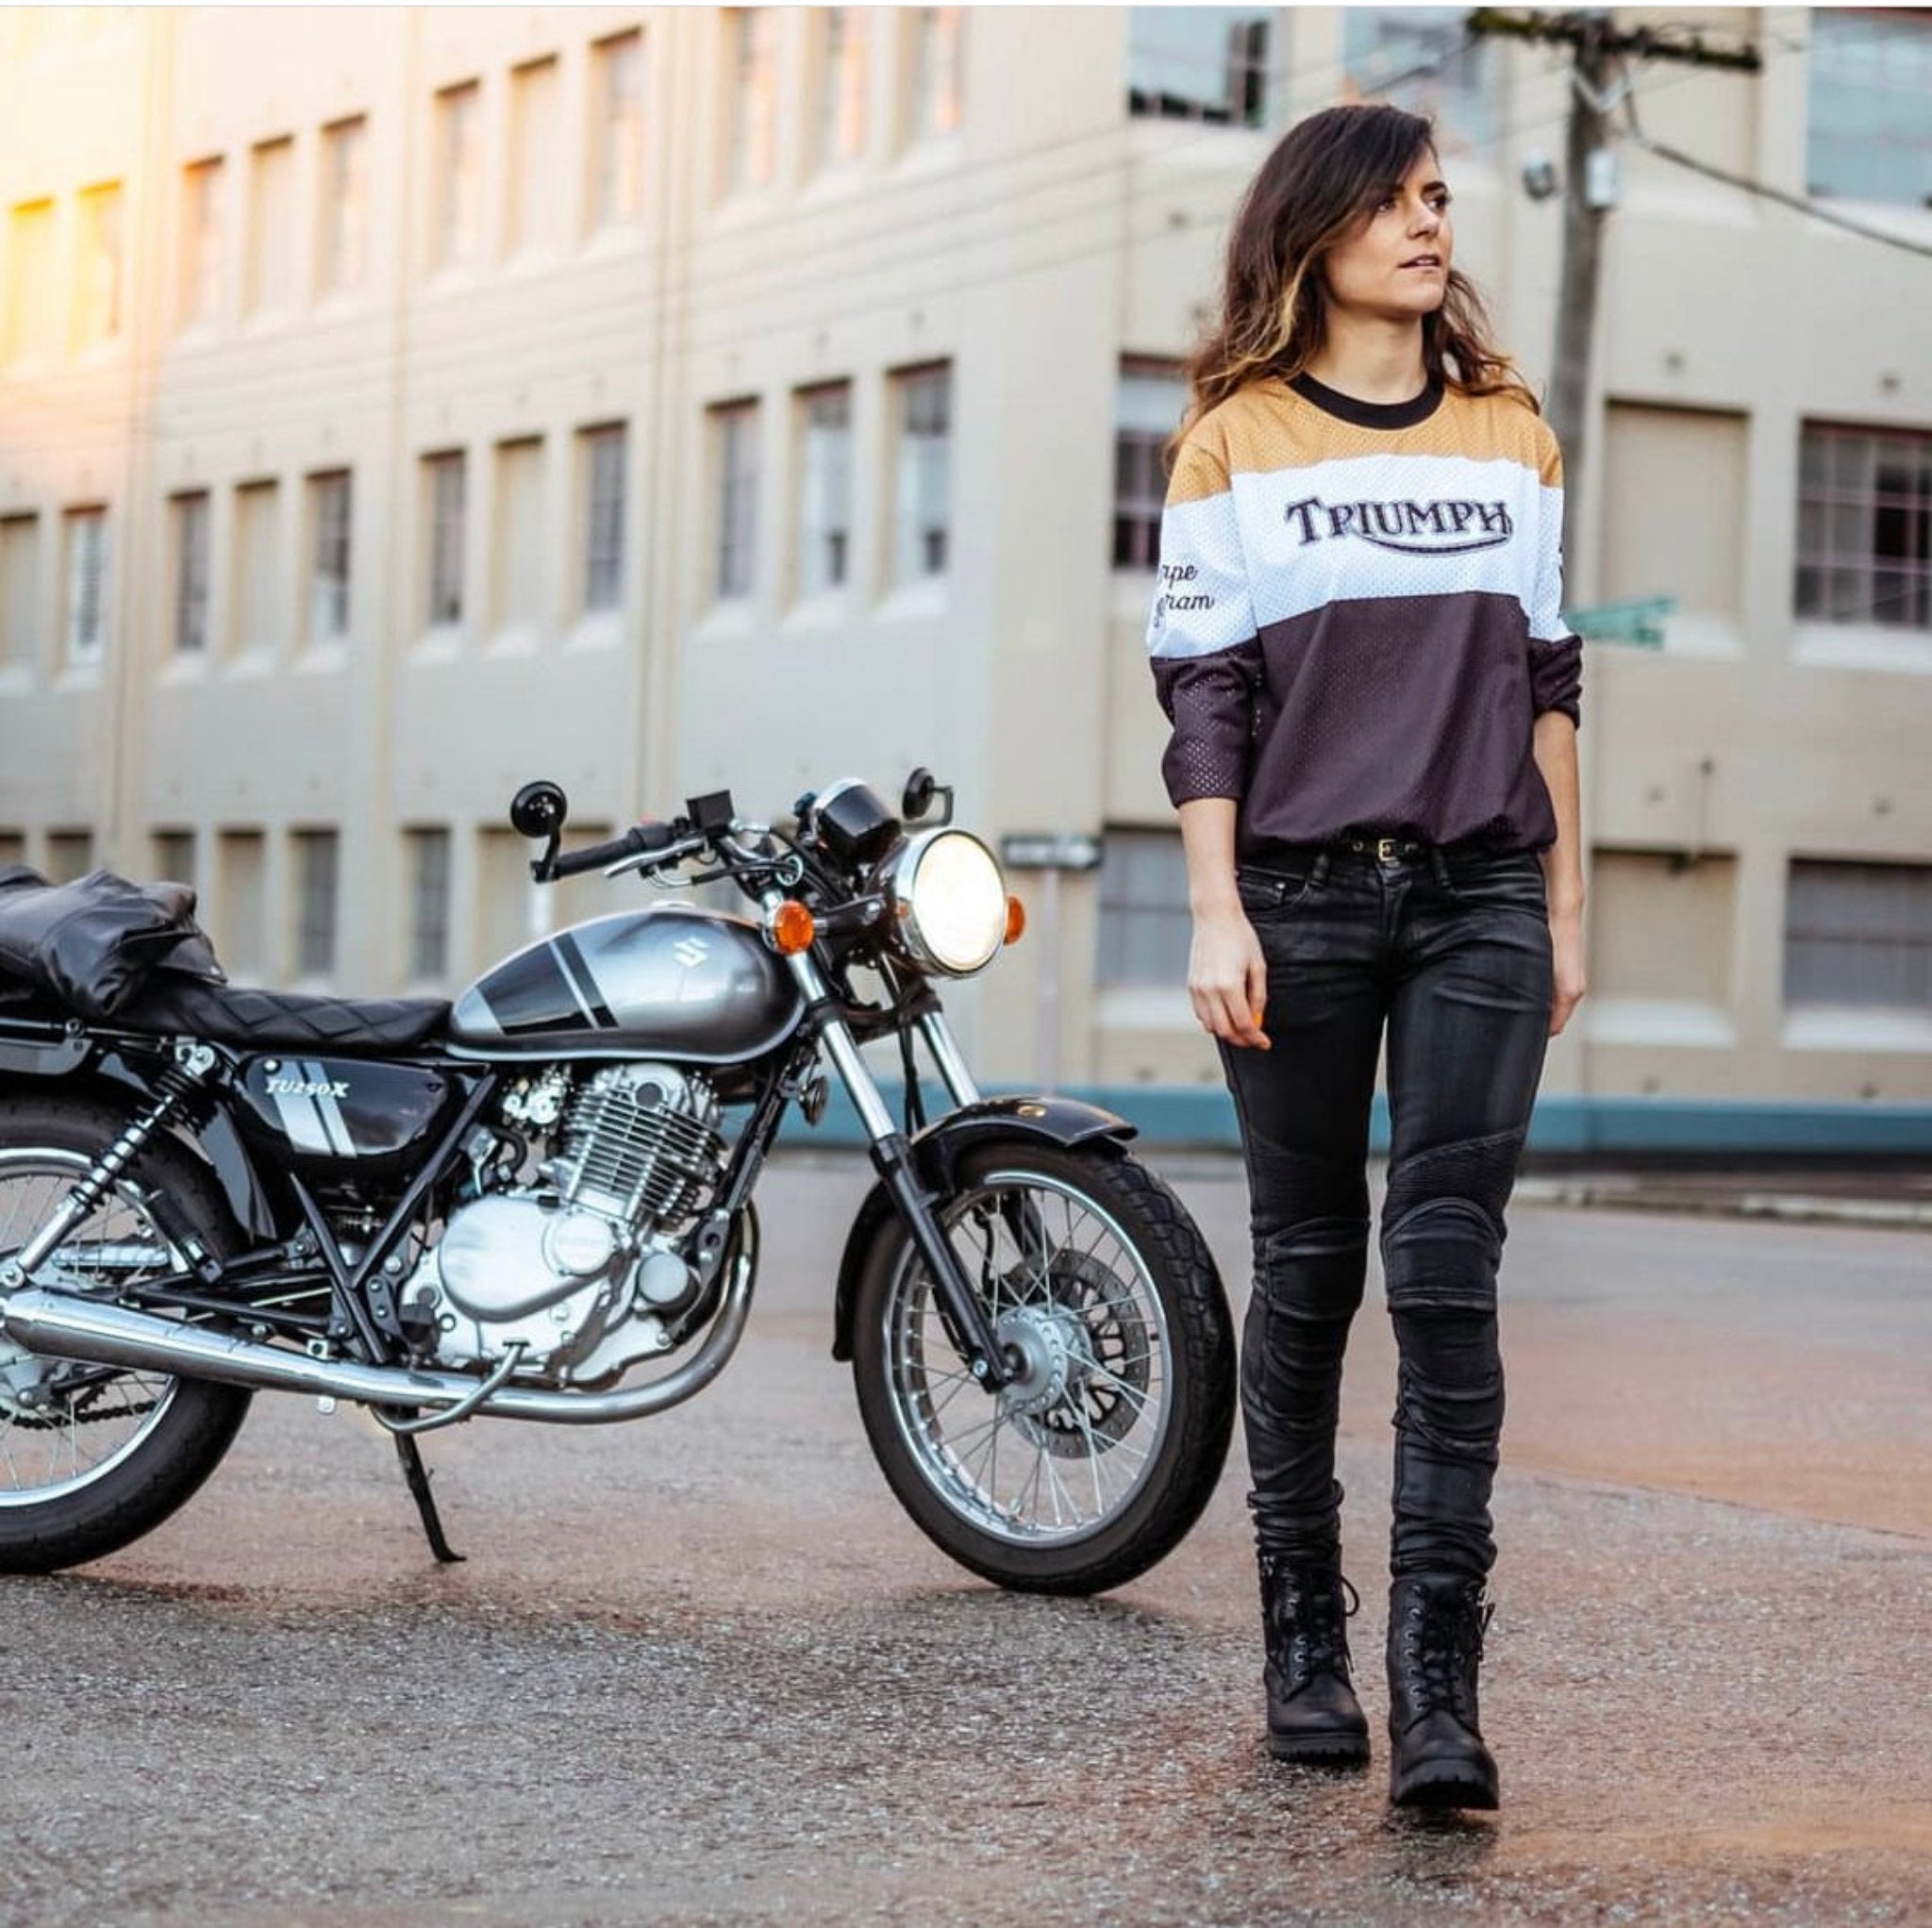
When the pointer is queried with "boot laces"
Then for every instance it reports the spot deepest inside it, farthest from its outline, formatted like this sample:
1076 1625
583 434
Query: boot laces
1445 1641
1307 1612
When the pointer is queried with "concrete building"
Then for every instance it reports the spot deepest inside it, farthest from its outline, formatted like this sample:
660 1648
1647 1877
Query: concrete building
396 406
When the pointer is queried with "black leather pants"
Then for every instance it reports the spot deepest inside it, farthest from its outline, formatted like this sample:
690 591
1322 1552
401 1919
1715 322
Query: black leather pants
1450 948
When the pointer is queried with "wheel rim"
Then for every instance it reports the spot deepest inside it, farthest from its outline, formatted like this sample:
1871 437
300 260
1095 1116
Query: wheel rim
1065 1450
64 1426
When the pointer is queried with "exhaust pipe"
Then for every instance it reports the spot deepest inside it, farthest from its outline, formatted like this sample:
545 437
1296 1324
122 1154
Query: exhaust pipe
103 1335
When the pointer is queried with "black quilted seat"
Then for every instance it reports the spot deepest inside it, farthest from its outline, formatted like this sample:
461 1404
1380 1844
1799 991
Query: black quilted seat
281 1020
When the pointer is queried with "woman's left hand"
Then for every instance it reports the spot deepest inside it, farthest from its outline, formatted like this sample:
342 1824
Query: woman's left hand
1566 947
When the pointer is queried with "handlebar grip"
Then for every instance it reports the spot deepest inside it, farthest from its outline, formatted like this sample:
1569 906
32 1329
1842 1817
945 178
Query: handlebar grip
595 857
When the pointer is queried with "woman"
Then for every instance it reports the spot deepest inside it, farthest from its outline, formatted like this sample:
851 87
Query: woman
1359 642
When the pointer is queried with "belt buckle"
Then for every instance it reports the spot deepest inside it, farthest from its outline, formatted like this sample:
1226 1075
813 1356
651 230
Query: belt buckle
1385 848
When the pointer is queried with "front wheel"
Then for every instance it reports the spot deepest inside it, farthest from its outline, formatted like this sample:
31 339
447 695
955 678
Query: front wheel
1097 1458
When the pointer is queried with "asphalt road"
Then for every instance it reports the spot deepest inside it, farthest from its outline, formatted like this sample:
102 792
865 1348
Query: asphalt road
700 1669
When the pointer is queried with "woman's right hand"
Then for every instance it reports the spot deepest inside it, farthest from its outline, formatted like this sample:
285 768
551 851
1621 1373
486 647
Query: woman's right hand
1228 976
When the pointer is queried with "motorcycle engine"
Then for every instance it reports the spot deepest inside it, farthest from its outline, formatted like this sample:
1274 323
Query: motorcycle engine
581 1267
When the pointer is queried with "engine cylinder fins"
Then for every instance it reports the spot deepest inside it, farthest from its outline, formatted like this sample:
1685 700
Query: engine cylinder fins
641 1143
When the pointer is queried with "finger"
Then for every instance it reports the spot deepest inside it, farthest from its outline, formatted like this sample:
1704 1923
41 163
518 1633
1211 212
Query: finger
1244 1024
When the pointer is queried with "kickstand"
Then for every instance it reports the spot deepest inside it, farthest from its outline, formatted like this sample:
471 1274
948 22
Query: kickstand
418 1477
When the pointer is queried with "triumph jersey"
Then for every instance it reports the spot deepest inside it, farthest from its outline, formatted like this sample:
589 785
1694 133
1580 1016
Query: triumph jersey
1357 616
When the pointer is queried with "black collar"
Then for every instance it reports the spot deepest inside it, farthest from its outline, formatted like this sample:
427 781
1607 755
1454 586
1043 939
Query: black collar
1370 414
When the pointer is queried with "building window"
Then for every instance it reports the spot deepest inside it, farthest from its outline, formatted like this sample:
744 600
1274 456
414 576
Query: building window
70 855
518 551
20 591
1870 125
1146 926
753 160
175 856
257 522
97 268
737 433
190 572
271 264
445 479
315 902
329 504
1147 410
429 904
344 255
1858 934
1199 63
241 901
842 86
1865 526
201 242
617 67
1424 59
824 494
87 585
605 453
458 224
922 508
936 71
30 282
535 189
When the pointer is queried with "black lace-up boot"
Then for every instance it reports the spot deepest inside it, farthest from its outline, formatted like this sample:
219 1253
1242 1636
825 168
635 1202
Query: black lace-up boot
1314 1716
1435 1622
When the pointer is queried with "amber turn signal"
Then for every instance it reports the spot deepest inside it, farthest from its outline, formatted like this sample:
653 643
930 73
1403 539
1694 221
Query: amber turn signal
791 928
1016 920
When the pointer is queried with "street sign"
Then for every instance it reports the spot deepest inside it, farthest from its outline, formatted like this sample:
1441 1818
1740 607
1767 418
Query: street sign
1637 620
1050 850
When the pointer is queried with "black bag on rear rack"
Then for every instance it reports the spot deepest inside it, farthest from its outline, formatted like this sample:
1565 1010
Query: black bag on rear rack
93 943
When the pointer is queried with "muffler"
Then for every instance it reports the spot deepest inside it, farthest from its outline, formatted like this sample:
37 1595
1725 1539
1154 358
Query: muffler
98 1334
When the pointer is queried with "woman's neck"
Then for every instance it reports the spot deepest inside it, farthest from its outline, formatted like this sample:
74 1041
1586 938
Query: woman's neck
1371 358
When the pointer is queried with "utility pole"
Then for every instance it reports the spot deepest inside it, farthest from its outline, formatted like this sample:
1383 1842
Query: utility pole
1590 188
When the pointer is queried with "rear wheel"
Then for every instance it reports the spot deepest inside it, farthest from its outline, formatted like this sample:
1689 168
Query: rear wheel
1099 1456
93 1456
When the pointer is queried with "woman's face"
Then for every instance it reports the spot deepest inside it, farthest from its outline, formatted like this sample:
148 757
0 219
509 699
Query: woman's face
1395 262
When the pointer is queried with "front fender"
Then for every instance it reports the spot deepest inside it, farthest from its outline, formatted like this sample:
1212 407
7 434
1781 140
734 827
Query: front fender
1063 1122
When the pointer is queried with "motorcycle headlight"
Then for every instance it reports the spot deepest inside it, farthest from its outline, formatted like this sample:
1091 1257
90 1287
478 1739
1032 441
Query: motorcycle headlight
948 902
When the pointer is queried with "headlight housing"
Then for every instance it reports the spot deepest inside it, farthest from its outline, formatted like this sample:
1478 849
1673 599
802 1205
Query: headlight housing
947 901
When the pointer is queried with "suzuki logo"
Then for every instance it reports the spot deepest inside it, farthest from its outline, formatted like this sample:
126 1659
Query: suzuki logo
690 953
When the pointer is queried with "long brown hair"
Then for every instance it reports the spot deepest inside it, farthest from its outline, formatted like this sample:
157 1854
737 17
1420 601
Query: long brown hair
1327 173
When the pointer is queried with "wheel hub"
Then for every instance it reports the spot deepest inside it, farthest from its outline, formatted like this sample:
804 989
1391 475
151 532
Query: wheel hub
1037 1342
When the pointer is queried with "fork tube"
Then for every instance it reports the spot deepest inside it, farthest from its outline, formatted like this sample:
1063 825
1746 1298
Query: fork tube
945 1054
892 1158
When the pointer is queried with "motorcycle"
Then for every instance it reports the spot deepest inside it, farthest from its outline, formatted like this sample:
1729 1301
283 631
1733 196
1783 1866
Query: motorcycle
498 1208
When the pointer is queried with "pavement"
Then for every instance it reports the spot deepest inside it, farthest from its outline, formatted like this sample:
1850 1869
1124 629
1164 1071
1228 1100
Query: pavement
701 1668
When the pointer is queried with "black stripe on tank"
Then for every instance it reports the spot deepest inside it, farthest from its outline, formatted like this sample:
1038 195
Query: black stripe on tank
531 994
582 982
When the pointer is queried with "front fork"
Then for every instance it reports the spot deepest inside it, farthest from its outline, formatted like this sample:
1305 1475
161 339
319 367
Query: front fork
892 1157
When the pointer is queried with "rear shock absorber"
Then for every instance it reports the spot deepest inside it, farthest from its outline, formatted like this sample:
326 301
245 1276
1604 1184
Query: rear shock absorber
174 1084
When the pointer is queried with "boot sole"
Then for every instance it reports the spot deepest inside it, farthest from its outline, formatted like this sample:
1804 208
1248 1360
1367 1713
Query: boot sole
1437 1785
1321 1750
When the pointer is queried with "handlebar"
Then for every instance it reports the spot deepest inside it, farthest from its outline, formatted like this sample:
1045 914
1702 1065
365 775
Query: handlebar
637 841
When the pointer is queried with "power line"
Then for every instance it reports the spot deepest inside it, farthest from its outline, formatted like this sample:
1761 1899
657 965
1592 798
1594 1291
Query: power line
1803 204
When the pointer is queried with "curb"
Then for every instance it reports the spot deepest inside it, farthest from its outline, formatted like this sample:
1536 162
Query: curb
1796 1208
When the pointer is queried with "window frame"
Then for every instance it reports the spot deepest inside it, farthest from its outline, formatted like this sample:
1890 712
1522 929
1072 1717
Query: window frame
75 655
191 520
328 532
911 471
446 512
1825 504
833 491
601 585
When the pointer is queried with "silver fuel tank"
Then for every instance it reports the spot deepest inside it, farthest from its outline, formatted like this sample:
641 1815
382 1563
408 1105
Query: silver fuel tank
666 982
